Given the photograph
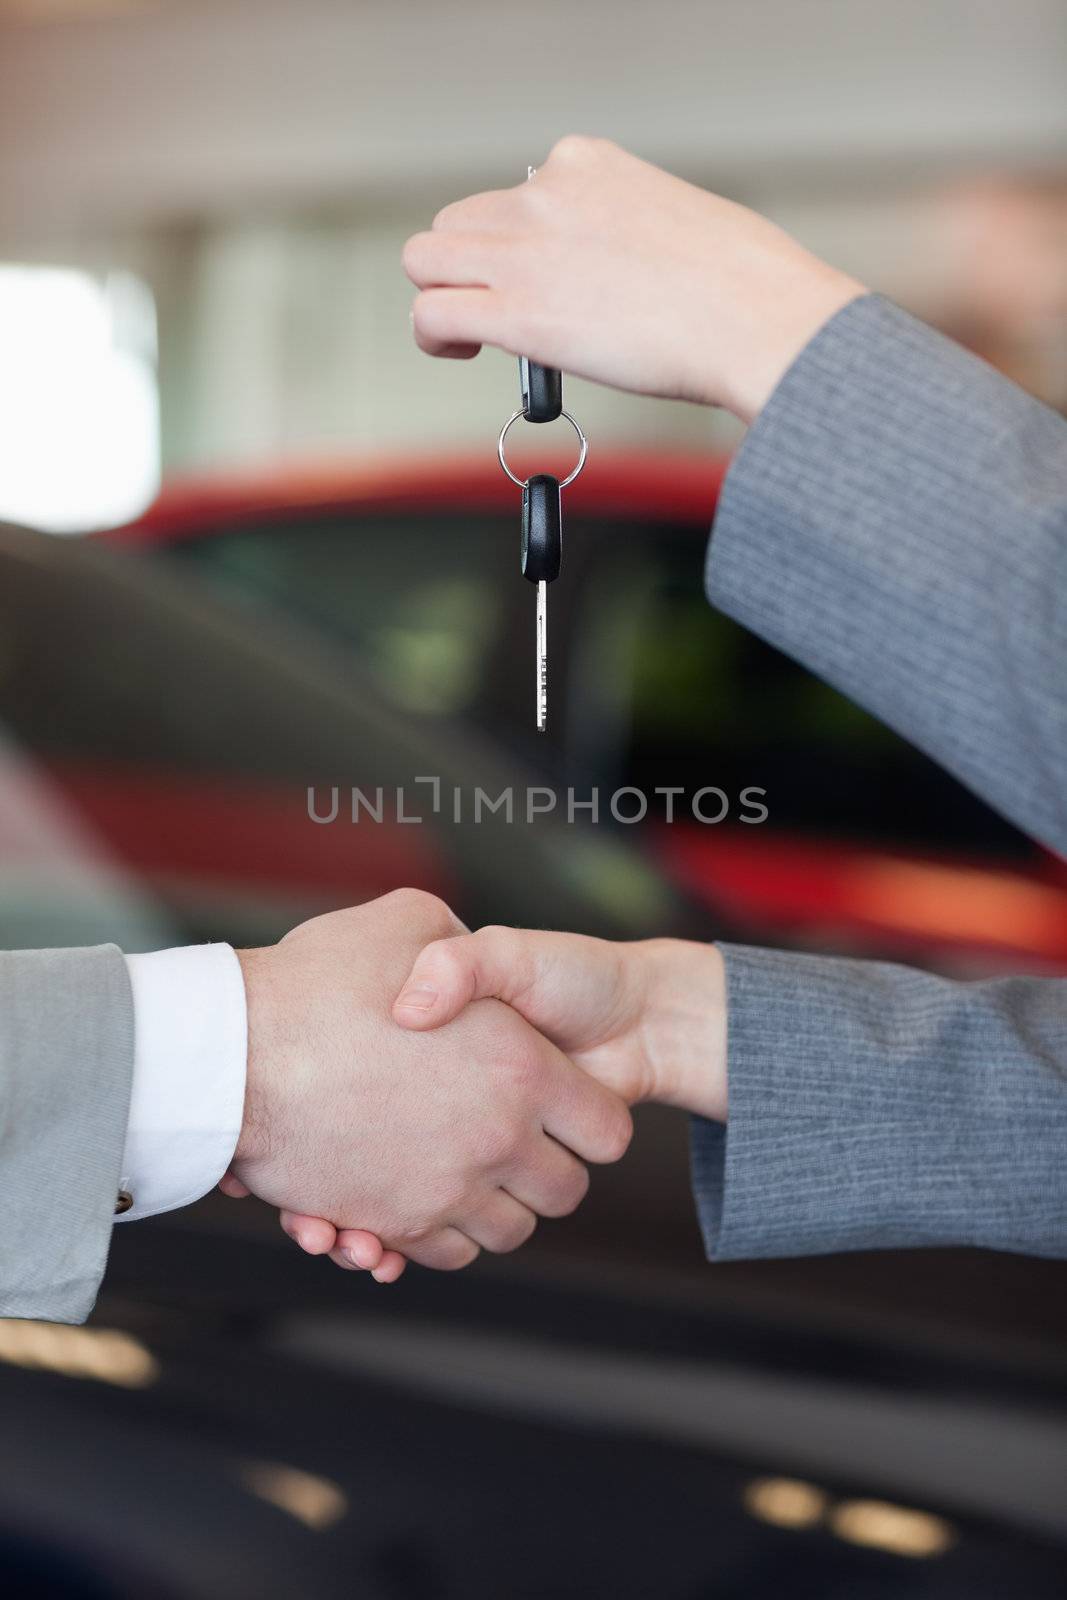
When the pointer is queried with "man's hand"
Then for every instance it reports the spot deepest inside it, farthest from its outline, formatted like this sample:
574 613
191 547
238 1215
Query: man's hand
648 1020
613 270
440 1143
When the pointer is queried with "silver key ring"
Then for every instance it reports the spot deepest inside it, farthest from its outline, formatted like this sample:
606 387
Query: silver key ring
522 482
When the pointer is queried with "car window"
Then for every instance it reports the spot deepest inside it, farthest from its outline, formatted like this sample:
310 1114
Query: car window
417 596
648 684
671 691
157 747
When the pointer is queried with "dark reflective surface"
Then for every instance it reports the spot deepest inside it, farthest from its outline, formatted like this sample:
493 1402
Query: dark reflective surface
515 1431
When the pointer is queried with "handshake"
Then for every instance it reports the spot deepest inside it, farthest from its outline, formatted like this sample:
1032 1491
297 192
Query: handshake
419 1092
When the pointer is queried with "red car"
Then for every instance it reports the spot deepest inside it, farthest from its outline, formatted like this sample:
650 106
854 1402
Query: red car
409 571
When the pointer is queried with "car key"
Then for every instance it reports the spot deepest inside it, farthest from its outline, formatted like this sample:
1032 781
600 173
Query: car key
542 543
542 550
541 391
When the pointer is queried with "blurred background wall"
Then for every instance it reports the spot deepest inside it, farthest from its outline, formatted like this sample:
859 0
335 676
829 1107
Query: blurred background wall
255 166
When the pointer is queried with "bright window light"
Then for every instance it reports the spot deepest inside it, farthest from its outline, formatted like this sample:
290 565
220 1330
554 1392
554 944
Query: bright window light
79 400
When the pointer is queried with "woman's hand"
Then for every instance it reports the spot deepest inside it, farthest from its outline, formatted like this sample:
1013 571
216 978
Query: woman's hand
613 270
647 1020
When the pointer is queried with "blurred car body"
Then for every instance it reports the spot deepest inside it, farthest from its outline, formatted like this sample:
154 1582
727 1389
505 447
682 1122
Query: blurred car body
868 848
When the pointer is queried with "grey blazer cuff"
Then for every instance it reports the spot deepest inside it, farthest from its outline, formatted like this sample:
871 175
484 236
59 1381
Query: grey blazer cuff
896 519
875 1107
66 1068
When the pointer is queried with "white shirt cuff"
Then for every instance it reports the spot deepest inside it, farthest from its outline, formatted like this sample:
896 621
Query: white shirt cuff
190 1052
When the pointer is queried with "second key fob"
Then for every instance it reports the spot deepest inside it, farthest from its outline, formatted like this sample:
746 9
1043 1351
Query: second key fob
542 536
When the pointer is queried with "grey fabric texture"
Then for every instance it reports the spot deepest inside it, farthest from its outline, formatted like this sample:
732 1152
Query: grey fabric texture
66 1068
896 520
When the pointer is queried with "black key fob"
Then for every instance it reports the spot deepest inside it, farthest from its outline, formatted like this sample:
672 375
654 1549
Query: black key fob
542 391
542 533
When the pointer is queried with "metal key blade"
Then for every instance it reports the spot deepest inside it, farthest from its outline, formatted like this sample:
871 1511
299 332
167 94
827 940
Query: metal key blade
542 657
541 664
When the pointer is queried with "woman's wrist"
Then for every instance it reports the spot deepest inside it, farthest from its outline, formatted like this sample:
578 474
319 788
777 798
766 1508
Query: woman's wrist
683 1024
782 320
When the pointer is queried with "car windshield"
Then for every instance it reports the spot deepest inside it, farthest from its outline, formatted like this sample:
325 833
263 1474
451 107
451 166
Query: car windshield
649 685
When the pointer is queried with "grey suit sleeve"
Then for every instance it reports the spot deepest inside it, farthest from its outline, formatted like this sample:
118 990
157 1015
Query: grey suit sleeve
897 521
66 1067
872 1106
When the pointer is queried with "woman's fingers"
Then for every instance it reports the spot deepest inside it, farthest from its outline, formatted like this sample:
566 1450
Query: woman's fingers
495 210
318 1237
362 1249
232 1185
440 261
454 260
354 1249
454 352
501 1224
449 319
392 1265
314 1235
342 1259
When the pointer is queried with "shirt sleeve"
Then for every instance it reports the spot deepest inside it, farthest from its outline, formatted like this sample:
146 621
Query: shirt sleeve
190 1052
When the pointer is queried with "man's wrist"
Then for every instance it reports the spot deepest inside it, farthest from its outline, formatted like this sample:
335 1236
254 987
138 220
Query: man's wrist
253 1141
683 1021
